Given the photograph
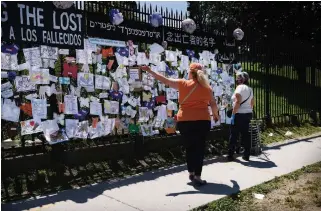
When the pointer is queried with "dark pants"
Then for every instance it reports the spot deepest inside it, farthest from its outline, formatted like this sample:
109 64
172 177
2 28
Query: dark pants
194 134
241 126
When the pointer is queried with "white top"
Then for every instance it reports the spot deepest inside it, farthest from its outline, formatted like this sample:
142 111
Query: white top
245 91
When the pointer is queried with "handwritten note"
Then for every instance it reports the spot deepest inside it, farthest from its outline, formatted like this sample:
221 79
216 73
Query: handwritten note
48 52
7 93
71 105
83 56
39 109
102 82
171 94
134 74
6 86
143 114
9 61
71 127
32 56
10 111
111 107
23 84
96 108
85 80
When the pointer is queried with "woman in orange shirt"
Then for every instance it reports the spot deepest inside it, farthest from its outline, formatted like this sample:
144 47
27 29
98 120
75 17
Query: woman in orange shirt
194 121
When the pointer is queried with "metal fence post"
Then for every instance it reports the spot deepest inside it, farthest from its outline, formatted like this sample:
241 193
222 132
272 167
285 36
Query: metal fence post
267 87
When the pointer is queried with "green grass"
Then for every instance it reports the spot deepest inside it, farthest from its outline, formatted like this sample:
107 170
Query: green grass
245 198
305 129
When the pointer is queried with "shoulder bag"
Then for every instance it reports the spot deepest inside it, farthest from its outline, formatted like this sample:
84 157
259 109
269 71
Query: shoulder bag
189 94
230 111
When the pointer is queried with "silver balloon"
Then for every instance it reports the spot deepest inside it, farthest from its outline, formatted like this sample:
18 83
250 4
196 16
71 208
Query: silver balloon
63 4
188 25
238 34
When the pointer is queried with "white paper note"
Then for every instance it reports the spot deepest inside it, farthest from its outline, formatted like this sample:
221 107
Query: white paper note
23 84
32 55
10 111
96 108
39 109
30 127
111 107
71 126
48 52
9 61
39 76
71 105
102 82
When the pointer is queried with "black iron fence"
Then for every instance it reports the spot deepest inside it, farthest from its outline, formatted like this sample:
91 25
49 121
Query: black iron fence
285 75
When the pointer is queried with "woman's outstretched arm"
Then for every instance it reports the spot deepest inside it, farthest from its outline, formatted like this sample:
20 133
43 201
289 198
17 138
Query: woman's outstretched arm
173 83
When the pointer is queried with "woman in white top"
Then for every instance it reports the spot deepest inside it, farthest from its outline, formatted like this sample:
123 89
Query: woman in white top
243 102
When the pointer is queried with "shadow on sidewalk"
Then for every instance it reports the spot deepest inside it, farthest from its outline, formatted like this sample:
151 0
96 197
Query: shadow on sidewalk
258 164
279 146
91 191
86 193
212 188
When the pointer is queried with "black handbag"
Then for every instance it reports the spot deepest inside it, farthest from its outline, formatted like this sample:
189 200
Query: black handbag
230 111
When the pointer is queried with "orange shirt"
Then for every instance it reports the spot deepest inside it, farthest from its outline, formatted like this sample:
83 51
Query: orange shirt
195 106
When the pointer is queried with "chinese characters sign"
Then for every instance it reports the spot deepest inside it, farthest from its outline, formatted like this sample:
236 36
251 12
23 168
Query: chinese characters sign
205 40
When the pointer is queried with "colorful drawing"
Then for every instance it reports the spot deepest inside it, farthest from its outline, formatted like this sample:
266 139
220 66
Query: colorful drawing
39 76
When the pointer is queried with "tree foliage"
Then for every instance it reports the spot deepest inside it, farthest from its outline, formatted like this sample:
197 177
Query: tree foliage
299 20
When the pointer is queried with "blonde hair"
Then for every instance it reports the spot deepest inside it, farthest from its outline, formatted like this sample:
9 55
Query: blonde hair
201 78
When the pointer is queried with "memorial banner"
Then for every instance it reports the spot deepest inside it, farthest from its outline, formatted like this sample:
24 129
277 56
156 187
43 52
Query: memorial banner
42 23
99 25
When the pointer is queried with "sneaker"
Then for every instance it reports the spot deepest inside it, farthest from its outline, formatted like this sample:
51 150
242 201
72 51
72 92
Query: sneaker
191 177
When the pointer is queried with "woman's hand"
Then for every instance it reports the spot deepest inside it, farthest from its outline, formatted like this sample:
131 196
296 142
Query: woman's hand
173 83
145 68
216 117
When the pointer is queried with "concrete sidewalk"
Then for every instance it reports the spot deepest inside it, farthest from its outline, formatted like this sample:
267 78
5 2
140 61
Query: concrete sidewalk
167 189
